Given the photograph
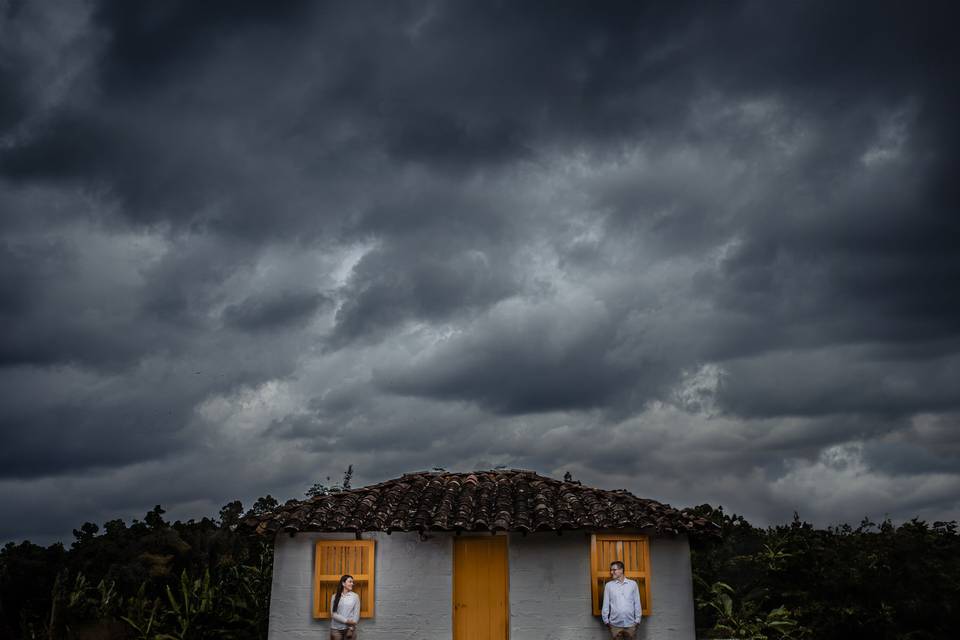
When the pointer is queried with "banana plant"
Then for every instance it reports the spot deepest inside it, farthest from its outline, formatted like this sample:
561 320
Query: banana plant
142 614
193 599
746 620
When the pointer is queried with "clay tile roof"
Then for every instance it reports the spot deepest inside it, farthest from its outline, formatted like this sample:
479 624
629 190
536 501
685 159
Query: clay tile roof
499 500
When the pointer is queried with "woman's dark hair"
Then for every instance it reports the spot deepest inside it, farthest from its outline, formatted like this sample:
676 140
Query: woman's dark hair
336 598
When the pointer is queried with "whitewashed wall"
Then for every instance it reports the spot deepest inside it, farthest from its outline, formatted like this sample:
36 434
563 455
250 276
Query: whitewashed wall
413 588
549 589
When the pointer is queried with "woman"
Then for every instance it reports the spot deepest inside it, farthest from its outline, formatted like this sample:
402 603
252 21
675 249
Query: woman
344 611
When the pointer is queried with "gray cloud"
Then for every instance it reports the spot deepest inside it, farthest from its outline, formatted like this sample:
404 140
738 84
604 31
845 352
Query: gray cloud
706 253
274 311
388 288
836 381
524 360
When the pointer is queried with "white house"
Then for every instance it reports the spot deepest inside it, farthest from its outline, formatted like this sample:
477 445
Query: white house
485 555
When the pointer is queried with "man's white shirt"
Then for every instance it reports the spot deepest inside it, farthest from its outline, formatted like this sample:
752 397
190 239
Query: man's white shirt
621 603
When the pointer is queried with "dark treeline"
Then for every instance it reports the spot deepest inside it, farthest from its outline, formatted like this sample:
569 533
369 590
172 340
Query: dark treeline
156 580
877 581
152 580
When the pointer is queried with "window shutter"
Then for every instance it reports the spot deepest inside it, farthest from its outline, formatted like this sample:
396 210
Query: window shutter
334 558
633 551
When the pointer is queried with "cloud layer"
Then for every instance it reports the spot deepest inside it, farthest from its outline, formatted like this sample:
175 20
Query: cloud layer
705 253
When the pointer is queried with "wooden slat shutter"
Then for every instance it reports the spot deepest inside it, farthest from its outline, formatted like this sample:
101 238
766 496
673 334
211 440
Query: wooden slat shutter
334 558
633 551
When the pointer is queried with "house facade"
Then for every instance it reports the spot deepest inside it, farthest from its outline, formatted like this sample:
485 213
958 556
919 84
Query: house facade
485 555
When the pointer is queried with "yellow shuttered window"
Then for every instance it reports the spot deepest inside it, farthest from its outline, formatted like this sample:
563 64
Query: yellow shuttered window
633 551
335 558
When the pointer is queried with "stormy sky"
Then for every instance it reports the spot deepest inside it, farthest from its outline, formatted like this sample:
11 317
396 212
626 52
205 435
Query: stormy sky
706 252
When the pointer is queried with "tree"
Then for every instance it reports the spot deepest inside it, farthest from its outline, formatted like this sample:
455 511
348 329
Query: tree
230 514
263 505
325 488
87 532
154 518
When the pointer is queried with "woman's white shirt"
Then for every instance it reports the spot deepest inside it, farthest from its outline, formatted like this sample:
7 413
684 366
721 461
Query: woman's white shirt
349 609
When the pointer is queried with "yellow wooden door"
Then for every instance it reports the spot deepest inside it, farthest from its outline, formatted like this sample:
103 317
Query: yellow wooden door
480 588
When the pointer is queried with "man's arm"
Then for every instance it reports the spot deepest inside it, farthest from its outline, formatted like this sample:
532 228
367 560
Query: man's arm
605 610
637 607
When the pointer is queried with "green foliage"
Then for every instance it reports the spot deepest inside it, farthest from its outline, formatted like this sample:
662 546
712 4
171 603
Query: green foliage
230 514
191 603
325 488
881 581
153 580
263 505
142 614
85 601
745 617
27 575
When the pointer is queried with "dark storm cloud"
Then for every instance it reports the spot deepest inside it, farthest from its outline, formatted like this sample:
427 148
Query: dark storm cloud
899 458
929 444
441 140
66 304
430 84
97 150
258 313
532 360
690 241
423 82
15 66
153 40
41 322
12 100
518 375
89 433
389 287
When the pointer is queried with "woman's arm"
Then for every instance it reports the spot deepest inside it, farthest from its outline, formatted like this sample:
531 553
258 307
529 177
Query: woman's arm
336 616
353 614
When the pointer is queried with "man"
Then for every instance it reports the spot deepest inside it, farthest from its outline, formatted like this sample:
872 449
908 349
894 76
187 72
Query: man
621 603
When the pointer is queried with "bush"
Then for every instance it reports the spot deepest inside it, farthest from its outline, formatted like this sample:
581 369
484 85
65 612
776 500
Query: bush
881 581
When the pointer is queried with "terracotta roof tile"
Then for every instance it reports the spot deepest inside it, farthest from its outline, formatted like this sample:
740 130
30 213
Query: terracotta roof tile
499 500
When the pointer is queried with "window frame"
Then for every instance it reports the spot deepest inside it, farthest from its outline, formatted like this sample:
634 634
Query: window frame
321 605
600 568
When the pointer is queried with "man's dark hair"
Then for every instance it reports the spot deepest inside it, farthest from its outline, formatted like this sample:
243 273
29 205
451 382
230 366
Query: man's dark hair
616 563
